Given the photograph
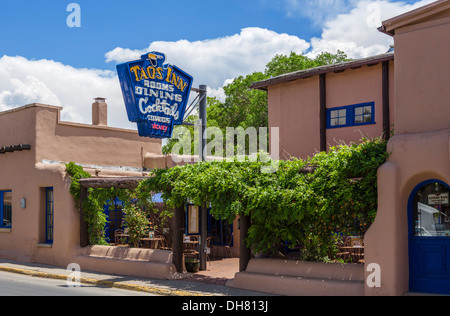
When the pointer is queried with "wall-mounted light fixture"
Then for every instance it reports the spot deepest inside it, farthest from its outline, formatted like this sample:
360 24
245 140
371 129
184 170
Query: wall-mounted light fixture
23 203
436 187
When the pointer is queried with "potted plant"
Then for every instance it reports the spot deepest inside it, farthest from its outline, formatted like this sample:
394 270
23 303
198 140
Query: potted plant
192 264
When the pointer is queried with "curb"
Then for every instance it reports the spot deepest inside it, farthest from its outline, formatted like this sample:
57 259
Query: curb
103 283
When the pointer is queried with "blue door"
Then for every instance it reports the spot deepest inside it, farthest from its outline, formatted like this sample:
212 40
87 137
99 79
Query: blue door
429 238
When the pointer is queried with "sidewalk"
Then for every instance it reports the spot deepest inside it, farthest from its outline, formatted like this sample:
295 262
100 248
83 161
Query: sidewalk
204 283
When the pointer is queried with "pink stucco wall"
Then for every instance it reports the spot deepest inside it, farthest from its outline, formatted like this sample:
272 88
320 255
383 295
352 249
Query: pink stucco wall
414 158
420 150
27 173
89 144
356 86
422 80
294 108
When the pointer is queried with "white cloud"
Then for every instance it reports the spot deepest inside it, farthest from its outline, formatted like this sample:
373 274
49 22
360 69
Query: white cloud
356 32
24 91
213 61
24 81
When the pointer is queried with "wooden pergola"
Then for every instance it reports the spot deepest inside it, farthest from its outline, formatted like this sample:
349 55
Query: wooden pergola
178 223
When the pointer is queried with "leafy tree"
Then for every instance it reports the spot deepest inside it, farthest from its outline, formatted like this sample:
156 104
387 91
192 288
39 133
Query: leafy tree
282 64
245 107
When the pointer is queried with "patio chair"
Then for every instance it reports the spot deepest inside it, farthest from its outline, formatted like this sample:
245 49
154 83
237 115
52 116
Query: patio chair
228 247
163 245
343 253
209 246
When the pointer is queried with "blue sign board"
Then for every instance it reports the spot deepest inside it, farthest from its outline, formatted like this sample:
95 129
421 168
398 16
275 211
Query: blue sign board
155 94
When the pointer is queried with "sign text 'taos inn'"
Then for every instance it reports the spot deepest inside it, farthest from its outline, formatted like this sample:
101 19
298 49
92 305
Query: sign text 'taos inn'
155 94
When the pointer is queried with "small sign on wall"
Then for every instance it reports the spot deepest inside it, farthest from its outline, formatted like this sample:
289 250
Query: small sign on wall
193 218
438 198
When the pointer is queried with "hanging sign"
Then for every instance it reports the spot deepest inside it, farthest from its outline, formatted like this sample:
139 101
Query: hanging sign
155 94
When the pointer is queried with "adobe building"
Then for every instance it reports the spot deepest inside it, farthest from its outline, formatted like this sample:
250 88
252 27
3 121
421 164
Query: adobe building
407 248
410 238
321 107
40 221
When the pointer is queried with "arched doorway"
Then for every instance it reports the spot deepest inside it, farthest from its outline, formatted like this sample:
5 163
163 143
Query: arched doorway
429 238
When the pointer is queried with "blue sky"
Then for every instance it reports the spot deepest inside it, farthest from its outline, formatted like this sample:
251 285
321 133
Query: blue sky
37 29
43 60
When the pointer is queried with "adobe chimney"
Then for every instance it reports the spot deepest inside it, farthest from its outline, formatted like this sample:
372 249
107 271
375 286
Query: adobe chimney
99 112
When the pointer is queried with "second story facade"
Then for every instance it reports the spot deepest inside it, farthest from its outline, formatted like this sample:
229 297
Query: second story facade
318 108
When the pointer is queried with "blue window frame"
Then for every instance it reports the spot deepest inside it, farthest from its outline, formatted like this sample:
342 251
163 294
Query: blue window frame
49 215
6 209
220 230
351 115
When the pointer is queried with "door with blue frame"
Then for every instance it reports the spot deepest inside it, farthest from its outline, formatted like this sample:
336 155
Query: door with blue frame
429 238
114 218
220 230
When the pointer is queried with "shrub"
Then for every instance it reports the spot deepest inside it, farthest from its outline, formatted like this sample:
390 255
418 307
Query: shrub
137 223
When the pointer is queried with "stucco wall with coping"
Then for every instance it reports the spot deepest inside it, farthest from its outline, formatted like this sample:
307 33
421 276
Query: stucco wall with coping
421 148
147 263
414 158
293 278
89 144
422 76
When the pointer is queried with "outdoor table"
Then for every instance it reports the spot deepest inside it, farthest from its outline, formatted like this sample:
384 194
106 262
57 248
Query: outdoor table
190 247
152 242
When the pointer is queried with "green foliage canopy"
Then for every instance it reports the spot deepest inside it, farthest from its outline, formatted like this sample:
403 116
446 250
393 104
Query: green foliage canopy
245 107
289 206
138 208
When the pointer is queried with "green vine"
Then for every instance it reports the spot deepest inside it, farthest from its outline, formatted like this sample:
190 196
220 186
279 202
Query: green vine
308 204
288 208
138 208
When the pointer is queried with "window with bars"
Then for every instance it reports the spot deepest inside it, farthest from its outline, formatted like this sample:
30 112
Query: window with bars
6 209
49 215
113 210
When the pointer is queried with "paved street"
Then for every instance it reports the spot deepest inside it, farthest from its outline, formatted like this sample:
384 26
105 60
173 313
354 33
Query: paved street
12 284
20 278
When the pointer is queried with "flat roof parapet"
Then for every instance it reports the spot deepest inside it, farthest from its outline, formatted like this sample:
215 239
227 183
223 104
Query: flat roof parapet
339 67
